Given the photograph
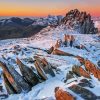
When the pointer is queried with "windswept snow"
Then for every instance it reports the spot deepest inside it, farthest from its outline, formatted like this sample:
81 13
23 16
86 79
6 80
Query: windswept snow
44 40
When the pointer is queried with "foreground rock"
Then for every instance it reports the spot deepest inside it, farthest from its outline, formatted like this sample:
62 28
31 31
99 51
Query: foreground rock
28 74
43 67
8 86
10 78
90 67
80 71
62 95
84 93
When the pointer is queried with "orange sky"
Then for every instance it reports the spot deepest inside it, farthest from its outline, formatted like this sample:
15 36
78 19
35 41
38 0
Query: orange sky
46 7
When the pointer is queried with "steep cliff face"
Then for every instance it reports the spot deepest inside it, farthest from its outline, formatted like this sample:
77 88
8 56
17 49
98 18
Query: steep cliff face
80 21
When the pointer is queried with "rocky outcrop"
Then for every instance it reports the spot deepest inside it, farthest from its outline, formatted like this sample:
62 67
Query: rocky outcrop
28 74
80 21
84 93
8 86
50 50
11 79
43 67
80 71
69 41
15 83
90 67
62 53
63 95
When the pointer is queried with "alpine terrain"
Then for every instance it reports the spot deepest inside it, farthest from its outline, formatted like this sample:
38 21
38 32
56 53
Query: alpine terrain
60 62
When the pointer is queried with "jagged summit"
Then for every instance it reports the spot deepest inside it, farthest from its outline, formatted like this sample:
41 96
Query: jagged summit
80 21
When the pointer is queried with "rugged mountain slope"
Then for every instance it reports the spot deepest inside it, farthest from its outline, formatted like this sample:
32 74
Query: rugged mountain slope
25 27
75 67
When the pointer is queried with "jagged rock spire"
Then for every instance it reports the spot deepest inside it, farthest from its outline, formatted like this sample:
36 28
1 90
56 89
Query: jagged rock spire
80 21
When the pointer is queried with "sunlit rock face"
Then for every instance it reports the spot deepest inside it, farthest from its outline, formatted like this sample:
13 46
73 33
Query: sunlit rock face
62 95
80 21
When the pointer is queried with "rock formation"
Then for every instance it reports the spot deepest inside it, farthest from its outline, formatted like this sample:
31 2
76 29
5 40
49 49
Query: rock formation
80 21
28 74
80 71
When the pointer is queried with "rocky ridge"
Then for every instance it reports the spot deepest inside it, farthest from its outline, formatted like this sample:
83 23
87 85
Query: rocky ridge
80 21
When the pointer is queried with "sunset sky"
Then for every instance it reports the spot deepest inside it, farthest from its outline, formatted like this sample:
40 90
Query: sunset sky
47 7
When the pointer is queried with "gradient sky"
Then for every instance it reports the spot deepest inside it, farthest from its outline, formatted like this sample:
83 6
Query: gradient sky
47 7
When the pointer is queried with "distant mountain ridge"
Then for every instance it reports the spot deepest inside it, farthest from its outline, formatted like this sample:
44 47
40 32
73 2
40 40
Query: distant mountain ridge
16 27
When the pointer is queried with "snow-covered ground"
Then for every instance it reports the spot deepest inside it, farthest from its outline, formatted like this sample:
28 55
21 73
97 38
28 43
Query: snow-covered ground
44 40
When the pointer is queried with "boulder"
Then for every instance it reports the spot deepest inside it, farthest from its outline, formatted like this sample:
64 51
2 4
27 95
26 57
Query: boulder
28 74
63 95
10 78
84 93
45 67
80 71
9 87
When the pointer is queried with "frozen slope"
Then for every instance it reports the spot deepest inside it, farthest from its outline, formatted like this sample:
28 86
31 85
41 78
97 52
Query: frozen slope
44 40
